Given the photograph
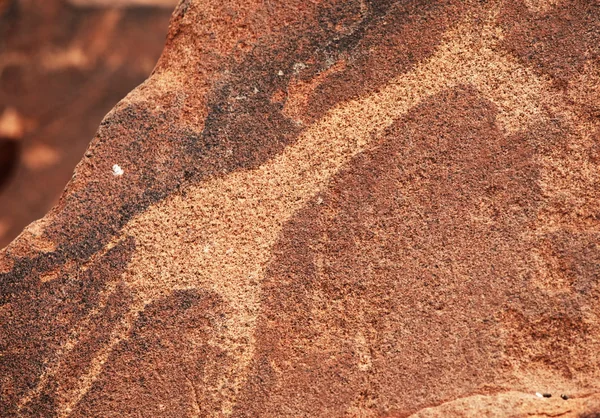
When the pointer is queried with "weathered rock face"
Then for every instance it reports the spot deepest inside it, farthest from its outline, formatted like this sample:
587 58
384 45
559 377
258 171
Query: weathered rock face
338 208
62 68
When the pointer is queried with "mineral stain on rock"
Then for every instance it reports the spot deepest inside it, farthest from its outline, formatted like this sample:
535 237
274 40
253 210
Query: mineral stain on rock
404 225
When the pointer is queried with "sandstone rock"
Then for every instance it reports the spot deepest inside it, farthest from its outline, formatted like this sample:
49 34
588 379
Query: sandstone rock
62 68
125 3
338 208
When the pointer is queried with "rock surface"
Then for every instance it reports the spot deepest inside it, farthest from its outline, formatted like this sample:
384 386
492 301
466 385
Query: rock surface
336 208
62 68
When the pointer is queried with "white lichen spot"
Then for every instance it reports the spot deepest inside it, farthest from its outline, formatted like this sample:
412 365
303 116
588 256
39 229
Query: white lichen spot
539 395
117 170
319 200
255 90
299 66
279 73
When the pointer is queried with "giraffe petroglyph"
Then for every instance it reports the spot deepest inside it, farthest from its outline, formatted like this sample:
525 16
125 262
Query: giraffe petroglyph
236 220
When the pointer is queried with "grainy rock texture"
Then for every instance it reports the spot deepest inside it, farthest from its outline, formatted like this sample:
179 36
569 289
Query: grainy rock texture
329 208
62 67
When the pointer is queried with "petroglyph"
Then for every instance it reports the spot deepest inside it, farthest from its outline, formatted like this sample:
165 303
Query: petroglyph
227 227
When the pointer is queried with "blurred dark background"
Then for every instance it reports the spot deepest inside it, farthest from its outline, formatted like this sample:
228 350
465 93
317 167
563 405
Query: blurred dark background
63 65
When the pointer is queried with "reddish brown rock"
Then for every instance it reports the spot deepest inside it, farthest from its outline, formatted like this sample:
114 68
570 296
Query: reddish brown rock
364 208
62 68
